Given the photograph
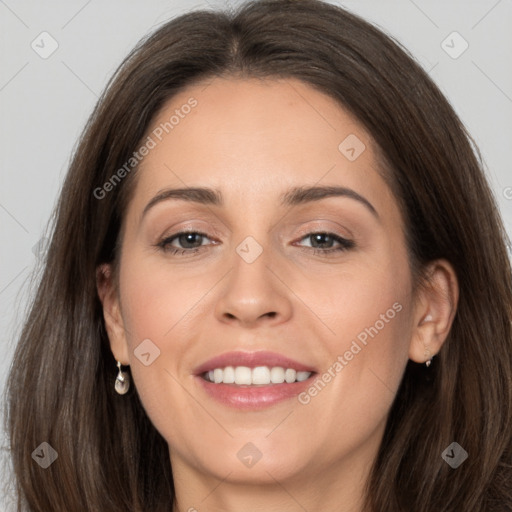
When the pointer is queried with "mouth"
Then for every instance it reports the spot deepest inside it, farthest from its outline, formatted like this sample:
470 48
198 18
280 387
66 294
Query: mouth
253 380
257 376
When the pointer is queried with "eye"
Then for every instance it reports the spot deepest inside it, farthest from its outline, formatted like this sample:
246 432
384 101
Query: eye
322 243
189 241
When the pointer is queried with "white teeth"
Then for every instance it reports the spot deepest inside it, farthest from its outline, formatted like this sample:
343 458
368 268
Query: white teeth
228 375
290 375
260 375
302 376
277 375
217 375
243 375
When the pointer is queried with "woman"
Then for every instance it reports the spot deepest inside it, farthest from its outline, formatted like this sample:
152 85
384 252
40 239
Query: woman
337 334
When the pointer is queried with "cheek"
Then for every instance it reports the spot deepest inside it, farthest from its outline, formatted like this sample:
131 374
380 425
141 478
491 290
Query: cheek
367 305
356 388
368 315
158 299
151 306
161 308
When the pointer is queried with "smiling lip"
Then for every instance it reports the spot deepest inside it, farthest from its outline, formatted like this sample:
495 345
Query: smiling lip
252 397
251 360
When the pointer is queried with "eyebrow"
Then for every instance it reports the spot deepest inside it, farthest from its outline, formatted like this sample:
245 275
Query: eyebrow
293 197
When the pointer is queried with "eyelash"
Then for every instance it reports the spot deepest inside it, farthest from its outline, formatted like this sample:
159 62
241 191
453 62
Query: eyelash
344 244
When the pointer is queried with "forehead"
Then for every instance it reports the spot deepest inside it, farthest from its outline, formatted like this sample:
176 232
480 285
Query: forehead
256 138
235 118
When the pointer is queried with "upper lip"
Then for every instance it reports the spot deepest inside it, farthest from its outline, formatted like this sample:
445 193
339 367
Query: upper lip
251 360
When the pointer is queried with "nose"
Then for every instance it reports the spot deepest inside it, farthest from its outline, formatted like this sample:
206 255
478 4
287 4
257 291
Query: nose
254 294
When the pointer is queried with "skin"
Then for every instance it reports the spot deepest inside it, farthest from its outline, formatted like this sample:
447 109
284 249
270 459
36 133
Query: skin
253 140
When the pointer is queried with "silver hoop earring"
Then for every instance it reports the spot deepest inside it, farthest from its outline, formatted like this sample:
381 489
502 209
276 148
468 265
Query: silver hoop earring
122 384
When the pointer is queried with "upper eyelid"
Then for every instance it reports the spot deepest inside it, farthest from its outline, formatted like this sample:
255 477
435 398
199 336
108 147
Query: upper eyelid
218 232
305 234
219 225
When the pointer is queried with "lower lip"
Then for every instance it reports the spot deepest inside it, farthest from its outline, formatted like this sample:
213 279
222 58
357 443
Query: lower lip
253 397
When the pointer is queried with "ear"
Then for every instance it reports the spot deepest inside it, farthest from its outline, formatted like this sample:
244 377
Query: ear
107 292
434 311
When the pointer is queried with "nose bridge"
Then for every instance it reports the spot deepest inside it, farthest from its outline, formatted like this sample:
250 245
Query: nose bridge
252 292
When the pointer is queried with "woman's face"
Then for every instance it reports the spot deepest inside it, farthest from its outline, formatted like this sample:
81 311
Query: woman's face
255 289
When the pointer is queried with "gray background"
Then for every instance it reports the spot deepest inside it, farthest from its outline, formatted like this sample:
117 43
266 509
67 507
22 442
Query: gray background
44 104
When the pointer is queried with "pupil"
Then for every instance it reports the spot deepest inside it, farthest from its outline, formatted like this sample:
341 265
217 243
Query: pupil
319 237
188 238
185 239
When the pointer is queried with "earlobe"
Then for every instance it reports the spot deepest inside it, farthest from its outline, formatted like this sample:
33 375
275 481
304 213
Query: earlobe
435 309
114 323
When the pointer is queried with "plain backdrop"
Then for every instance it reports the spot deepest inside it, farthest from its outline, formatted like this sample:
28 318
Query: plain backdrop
45 102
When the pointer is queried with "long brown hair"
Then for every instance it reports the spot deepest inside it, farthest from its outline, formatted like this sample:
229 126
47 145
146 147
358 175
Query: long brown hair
61 386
